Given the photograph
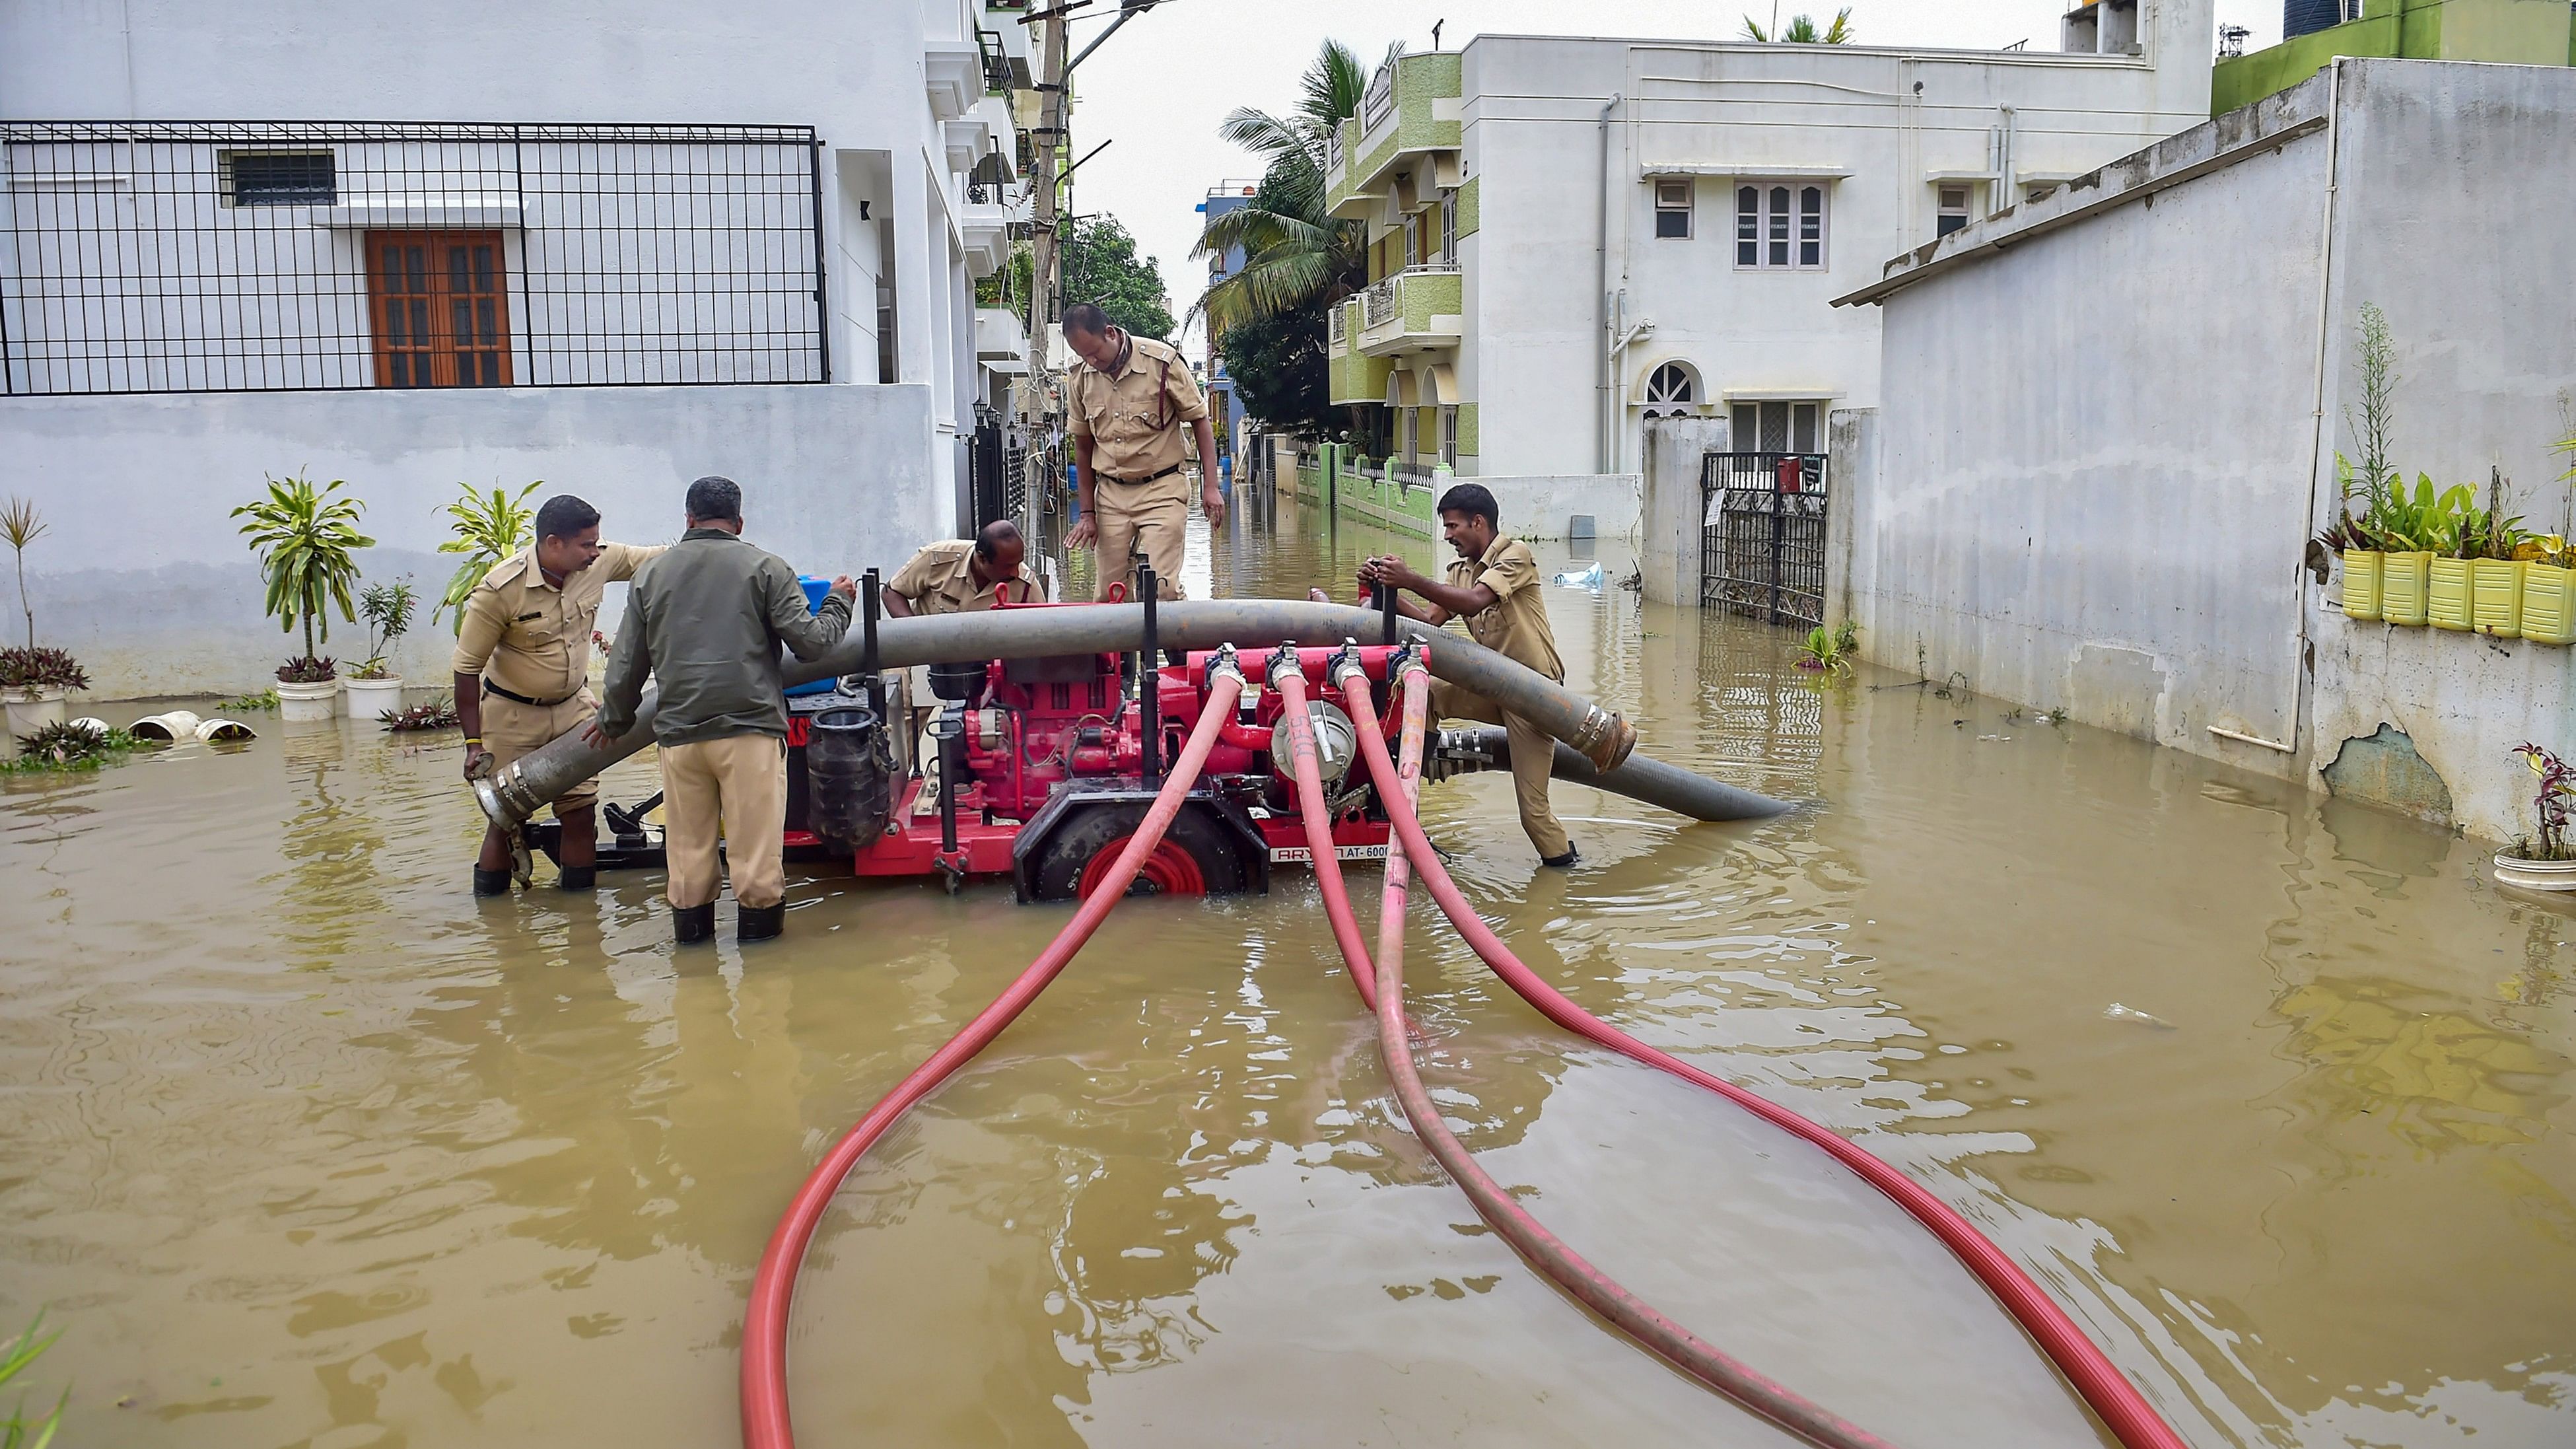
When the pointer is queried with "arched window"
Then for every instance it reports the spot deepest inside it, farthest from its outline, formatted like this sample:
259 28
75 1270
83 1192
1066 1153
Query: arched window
1672 386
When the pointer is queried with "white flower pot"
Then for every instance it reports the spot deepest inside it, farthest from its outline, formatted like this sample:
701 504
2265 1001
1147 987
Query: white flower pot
370 698
307 703
2536 875
32 709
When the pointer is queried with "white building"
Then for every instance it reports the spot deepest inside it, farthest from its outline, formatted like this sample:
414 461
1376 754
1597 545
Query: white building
610 249
1569 235
2110 426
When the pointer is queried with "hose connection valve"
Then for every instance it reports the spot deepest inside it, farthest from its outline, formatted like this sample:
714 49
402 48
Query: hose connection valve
1283 660
1345 665
1223 661
1412 655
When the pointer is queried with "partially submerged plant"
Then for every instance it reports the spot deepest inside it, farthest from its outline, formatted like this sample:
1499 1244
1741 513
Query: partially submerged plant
437 714
19 525
2549 805
388 610
16 1432
34 669
489 527
307 542
266 699
308 670
1829 651
69 746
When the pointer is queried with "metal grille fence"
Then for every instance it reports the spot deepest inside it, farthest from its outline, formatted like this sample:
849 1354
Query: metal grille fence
1762 536
176 256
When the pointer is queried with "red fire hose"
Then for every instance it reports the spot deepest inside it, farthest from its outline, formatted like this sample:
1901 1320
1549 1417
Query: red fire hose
1542 1249
2111 1396
1289 678
765 1423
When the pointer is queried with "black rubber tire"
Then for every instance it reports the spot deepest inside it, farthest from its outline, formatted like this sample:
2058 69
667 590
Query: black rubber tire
1087 831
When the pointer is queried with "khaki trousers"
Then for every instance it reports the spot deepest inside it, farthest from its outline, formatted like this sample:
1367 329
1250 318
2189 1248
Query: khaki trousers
739 781
512 729
1533 757
1146 518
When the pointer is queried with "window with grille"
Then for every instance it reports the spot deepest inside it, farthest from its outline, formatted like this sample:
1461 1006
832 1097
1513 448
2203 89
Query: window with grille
1673 208
1672 385
1413 240
1449 226
280 178
1954 210
1449 436
1778 427
440 304
1780 226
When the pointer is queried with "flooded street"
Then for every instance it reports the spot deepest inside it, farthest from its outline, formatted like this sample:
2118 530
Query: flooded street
301 1145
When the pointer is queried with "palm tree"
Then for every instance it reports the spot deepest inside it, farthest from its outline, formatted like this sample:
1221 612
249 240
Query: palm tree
1801 30
1295 253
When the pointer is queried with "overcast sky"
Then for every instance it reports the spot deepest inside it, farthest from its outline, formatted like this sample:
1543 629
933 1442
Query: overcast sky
1161 84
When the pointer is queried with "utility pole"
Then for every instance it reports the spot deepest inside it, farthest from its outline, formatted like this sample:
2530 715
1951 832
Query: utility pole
1044 253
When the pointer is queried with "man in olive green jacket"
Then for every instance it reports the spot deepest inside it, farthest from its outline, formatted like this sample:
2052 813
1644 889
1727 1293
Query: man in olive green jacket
705 621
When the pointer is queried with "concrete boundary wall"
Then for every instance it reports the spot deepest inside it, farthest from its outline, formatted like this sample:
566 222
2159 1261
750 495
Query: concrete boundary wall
143 575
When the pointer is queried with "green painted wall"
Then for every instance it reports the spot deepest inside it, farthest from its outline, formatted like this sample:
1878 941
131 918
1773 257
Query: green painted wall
1430 294
1470 205
1468 438
2516 32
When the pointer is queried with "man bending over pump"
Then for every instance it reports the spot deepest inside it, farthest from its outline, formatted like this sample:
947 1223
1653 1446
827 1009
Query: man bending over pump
1494 586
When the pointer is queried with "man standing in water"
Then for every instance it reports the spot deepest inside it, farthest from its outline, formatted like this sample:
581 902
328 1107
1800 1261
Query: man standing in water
1130 397
705 621
1494 586
523 672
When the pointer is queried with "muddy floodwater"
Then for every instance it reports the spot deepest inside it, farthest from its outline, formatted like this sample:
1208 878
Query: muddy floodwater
301 1145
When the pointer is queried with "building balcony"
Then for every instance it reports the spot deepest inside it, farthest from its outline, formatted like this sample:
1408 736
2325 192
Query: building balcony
1417 310
1351 376
1411 114
1001 340
952 73
984 131
985 221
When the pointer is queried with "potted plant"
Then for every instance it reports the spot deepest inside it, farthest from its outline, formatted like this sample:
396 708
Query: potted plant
373 688
307 540
32 685
2361 545
2349 541
2411 529
2549 567
2489 540
489 527
2544 860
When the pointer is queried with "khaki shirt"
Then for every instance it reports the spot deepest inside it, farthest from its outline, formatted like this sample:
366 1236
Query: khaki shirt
1136 419
941 580
1515 626
532 638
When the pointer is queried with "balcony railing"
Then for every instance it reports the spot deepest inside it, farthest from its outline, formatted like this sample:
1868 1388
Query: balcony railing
1378 101
1337 333
1383 301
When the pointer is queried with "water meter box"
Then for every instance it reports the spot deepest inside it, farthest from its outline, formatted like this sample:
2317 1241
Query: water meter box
814 589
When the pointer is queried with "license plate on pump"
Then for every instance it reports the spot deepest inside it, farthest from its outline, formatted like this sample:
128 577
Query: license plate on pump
1300 855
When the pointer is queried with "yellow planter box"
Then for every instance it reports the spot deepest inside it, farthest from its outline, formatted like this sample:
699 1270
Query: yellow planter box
2496 587
2360 583
2548 604
2450 599
2403 587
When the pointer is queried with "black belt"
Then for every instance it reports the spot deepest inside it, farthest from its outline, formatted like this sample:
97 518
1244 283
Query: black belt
490 688
1132 482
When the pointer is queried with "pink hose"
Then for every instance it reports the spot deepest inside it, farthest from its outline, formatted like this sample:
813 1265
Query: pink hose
1542 1249
765 1421
2126 1411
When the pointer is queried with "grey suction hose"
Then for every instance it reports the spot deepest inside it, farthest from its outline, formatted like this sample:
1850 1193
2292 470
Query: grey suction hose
519 789
1637 777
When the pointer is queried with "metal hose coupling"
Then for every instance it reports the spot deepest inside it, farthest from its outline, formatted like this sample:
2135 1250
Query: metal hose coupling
1223 661
1604 738
505 797
1283 660
1345 664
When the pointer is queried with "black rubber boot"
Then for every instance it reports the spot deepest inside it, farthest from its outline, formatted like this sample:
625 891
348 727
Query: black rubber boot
691 925
1567 861
579 878
761 923
491 882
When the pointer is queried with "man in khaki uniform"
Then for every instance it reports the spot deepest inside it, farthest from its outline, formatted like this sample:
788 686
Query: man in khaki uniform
1494 586
1130 398
705 621
956 575
523 670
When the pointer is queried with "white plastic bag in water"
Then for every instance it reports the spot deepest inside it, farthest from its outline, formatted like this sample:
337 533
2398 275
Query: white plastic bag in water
1589 578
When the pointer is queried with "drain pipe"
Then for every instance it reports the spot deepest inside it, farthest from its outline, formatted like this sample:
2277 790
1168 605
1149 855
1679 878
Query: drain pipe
1601 405
2317 427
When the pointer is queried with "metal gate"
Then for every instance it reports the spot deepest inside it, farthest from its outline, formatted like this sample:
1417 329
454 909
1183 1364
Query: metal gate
987 474
1762 536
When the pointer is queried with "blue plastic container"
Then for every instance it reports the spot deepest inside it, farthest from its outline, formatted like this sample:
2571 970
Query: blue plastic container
814 589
